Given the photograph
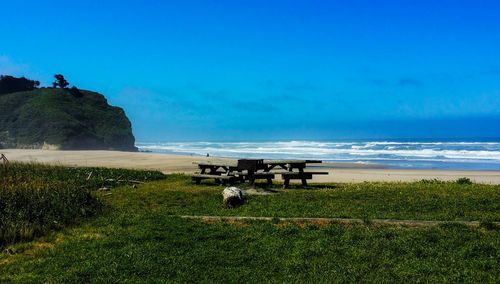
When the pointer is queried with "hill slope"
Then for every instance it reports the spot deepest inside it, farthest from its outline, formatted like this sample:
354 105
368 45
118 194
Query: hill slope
63 119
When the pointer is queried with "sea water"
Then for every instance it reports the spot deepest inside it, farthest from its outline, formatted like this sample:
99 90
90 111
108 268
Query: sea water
470 154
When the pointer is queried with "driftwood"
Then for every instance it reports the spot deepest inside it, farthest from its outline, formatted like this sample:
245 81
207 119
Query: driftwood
123 180
232 197
130 180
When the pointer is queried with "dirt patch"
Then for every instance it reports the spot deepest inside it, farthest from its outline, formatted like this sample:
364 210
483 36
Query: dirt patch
345 221
258 191
239 223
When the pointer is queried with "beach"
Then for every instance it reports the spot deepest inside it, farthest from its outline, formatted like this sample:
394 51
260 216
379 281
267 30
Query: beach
167 163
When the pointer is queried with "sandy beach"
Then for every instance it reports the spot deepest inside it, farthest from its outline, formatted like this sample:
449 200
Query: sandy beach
338 172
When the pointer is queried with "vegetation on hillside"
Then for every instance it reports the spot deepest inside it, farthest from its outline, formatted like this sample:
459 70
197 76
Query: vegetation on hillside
60 81
61 118
10 84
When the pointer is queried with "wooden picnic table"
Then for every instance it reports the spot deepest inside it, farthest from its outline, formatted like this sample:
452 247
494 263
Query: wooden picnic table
218 170
290 165
250 169
213 167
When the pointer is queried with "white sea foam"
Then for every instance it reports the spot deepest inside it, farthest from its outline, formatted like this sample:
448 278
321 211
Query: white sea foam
407 151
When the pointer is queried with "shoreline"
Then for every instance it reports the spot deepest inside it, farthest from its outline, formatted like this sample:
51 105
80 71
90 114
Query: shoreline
171 163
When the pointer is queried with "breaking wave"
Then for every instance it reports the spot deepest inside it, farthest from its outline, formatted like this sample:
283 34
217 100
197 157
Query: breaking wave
397 154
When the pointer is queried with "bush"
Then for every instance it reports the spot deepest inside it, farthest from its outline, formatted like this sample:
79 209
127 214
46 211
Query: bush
31 206
35 199
9 84
464 180
75 92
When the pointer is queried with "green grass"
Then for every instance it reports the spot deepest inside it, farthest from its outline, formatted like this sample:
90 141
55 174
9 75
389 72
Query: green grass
137 238
427 200
35 199
88 177
124 246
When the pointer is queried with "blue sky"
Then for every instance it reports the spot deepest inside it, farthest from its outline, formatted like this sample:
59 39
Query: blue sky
267 70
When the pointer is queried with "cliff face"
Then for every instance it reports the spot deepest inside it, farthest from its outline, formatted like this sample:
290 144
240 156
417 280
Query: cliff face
63 119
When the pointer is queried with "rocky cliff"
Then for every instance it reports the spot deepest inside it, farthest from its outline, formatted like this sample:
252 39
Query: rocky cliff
55 118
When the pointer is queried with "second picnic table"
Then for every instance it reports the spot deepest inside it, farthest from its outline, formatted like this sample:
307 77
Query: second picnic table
252 169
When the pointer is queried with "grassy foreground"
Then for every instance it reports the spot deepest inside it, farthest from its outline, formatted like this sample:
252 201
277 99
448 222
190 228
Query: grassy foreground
36 198
137 237
425 200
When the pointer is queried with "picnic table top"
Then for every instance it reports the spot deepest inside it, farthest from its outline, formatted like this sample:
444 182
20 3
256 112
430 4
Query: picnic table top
217 163
233 164
293 162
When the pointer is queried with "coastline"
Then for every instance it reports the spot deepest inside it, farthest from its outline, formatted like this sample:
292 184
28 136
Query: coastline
169 163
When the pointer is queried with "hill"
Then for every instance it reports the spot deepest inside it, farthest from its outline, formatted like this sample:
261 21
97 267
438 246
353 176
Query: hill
57 118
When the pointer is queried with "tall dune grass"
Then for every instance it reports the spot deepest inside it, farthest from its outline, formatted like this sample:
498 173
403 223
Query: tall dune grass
37 198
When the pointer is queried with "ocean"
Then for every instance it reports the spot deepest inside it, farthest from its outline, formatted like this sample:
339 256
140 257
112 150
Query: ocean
459 154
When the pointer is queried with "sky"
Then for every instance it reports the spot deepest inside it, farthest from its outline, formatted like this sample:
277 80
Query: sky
270 70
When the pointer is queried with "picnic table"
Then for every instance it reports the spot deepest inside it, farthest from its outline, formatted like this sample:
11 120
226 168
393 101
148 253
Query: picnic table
251 170
220 171
289 166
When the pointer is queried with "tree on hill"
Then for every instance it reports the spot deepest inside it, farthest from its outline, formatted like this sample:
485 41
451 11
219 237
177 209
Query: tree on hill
10 84
60 81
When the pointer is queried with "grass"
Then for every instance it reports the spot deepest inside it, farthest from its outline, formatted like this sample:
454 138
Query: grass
35 198
88 177
426 200
153 247
136 237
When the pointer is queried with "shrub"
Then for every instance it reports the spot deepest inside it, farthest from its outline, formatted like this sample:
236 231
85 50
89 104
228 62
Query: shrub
31 206
38 198
464 180
10 84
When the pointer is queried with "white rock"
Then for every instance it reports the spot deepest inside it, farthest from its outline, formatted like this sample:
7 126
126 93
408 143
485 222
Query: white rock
232 197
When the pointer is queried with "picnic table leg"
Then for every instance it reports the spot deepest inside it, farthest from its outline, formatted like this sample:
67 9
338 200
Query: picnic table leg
304 181
202 171
251 178
286 183
213 170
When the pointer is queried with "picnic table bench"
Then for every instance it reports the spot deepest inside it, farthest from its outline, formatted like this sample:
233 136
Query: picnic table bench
251 170
289 166
219 171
